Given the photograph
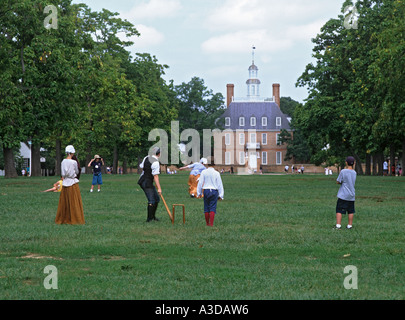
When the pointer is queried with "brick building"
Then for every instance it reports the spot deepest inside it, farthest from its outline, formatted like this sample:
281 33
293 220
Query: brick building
252 128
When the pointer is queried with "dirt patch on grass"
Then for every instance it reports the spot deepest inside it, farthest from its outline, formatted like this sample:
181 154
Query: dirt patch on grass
375 198
38 256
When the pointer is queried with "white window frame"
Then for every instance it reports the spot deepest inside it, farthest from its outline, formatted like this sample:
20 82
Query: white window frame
241 139
264 121
252 134
241 121
227 139
264 139
253 121
278 139
264 157
242 159
227 122
228 158
278 122
279 154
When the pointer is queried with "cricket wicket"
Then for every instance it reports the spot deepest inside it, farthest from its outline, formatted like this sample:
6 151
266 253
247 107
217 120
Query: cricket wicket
184 212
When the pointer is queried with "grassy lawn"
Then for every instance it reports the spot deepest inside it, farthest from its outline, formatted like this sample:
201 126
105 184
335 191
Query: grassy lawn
272 240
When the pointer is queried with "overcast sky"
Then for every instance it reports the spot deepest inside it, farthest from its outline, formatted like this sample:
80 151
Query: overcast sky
213 39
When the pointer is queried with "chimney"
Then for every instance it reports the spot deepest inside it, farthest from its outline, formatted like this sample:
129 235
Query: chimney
276 93
229 94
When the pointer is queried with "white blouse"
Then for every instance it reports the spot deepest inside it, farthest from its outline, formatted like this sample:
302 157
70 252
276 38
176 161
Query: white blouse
69 172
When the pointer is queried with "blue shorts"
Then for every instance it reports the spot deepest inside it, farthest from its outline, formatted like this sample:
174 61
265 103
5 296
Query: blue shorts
210 200
97 179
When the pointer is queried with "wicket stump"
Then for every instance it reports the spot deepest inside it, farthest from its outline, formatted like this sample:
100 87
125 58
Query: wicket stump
184 212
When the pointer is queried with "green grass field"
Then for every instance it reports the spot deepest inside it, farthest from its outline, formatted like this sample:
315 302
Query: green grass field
272 240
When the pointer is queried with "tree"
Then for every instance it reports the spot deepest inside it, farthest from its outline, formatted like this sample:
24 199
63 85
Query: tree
345 99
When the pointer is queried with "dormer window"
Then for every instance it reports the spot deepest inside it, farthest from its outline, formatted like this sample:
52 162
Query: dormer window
264 121
241 121
253 122
227 122
278 122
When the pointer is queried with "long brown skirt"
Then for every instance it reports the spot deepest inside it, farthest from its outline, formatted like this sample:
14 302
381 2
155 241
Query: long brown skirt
70 208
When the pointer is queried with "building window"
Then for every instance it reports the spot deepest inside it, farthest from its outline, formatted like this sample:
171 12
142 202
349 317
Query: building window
253 138
227 139
241 158
278 122
264 121
241 139
278 158
264 158
227 122
253 122
241 122
264 138
227 158
278 142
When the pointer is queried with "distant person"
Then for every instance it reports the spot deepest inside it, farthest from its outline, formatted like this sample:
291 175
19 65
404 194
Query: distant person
346 194
70 207
196 169
393 169
286 169
150 174
57 186
302 169
385 168
210 186
97 163
23 172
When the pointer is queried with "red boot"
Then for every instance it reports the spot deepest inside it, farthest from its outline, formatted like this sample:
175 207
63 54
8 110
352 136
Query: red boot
212 217
207 218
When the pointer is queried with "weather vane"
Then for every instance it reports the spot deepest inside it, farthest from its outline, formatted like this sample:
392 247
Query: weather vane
253 54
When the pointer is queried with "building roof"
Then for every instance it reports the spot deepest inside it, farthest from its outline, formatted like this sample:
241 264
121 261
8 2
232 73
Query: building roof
258 110
253 67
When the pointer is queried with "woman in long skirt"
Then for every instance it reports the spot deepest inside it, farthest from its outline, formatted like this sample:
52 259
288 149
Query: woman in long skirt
70 208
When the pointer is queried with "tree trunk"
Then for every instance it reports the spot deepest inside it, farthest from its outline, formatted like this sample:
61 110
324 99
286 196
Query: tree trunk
374 164
368 164
35 166
9 164
403 158
392 160
124 166
359 166
115 160
88 170
139 170
58 157
380 164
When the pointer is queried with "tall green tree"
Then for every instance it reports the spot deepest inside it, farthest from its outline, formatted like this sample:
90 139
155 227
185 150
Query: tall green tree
345 100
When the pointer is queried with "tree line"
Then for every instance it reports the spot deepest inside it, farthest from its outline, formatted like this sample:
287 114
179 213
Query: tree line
79 84
356 88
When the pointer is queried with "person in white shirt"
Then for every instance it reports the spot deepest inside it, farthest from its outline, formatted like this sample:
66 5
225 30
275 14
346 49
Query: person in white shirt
70 207
210 185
